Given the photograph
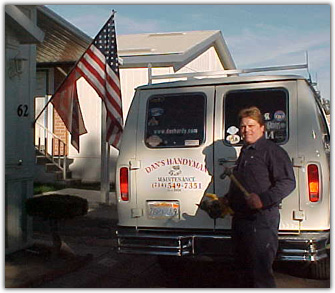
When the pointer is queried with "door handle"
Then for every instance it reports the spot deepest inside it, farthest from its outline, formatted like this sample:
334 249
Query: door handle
134 164
226 160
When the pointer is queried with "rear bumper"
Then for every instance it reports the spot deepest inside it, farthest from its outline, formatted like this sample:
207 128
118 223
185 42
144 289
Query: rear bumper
306 246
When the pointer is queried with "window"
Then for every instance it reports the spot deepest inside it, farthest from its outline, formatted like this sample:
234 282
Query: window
271 102
324 129
175 120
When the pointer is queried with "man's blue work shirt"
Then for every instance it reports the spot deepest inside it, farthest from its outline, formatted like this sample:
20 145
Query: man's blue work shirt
263 168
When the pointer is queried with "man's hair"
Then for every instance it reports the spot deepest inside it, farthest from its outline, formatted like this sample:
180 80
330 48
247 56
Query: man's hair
253 113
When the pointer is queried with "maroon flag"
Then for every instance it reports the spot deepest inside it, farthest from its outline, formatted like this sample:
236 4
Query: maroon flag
66 103
100 67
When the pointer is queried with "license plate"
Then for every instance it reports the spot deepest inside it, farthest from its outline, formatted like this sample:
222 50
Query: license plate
163 209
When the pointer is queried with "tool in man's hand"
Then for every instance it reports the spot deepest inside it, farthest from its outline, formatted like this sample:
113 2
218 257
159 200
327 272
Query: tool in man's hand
252 199
229 172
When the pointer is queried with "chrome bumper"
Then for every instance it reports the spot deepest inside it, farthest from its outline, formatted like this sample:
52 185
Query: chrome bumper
305 246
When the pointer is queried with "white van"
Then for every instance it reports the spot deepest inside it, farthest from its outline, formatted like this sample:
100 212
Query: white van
177 139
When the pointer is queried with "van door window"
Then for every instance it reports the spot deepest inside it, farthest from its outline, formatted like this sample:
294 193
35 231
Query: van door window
324 129
175 120
271 102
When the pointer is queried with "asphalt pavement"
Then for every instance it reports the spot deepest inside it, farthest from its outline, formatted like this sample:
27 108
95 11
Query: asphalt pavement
89 258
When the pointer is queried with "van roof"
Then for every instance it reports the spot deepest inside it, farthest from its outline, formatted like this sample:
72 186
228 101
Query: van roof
220 80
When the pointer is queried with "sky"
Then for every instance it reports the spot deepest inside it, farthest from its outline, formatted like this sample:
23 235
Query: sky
257 35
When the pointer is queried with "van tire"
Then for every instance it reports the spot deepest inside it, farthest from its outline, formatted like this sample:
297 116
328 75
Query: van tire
320 270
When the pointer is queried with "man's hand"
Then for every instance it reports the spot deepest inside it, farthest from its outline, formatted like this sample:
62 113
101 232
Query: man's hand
254 201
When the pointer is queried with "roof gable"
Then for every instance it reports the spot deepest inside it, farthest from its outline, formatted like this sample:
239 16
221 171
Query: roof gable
171 49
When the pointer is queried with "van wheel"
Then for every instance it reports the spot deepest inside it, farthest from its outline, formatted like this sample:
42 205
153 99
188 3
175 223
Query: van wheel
320 270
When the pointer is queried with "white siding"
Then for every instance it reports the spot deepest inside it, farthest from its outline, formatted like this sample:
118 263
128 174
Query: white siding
86 164
130 78
208 61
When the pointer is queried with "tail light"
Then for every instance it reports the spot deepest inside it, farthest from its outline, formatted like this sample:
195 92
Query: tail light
313 183
124 189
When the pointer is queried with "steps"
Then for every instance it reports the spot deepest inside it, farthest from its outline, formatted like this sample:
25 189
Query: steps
46 171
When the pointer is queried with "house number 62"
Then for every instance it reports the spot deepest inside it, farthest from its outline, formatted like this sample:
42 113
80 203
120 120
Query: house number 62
22 110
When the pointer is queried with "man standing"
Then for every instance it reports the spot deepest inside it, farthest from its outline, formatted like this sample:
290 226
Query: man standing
265 170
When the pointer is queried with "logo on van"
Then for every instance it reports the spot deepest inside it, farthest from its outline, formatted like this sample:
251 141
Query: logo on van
279 116
156 112
175 171
233 139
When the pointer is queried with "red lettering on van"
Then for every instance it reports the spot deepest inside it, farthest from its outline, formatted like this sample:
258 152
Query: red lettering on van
147 169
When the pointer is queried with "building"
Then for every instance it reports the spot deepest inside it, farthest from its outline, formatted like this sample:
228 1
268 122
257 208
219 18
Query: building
21 36
174 52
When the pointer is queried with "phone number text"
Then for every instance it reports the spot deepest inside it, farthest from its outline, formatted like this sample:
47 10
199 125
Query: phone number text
177 186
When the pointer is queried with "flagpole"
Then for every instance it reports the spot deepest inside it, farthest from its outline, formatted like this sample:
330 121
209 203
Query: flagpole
74 66
105 148
105 154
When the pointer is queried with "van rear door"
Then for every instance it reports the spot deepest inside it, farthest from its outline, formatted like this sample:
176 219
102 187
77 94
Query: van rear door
173 155
277 101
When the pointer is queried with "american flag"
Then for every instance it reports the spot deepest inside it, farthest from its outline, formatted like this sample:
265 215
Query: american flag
100 67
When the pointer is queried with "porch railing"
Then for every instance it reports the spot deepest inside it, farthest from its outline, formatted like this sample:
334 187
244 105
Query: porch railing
52 146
